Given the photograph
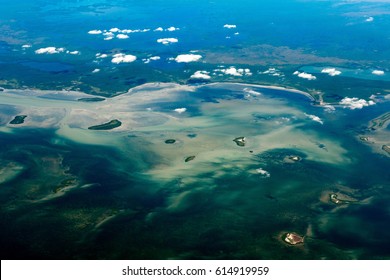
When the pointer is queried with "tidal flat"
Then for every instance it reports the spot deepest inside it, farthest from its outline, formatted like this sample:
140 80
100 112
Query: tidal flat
68 192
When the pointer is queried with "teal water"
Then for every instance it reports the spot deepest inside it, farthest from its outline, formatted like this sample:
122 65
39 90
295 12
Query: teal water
67 192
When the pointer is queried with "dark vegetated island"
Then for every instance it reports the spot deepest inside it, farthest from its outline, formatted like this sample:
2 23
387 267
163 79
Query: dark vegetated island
106 126
18 119
91 99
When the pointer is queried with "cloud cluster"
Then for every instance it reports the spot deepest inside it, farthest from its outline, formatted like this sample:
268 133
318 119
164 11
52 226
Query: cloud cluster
123 58
49 50
355 103
314 118
304 75
167 41
235 72
116 32
230 26
331 71
186 58
101 55
201 75
273 72
378 72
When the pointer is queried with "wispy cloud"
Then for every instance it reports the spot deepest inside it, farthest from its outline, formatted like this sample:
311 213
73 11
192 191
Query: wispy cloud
230 26
314 118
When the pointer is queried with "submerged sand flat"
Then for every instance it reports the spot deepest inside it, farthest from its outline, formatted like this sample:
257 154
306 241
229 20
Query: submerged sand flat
148 114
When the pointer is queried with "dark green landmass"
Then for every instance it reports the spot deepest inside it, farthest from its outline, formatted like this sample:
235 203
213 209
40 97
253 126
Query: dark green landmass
18 119
170 141
386 148
189 158
106 126
91 99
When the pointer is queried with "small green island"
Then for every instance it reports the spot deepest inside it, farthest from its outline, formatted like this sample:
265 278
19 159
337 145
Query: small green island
18 119
170 141
240 141
106 126
91 99
189 158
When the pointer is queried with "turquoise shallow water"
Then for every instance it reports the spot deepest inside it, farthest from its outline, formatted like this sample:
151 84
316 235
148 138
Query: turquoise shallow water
67 192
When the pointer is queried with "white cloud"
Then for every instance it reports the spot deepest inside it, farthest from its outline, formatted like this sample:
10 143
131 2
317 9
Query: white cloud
369 19
331 71
95 32
202 75
273 72
237 33
314 118
167 41
180 110
101 55
123 58
159 29
26 46
49 50
230 26
172 29
108 38
115 29
96 70
355 103
329 108
235 72
378 72
185 58
122 36
304 75
263 173
73 52
147 60
251 91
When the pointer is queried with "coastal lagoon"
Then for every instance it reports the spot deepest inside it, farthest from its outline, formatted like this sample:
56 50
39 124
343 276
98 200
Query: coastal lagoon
127 192
194 129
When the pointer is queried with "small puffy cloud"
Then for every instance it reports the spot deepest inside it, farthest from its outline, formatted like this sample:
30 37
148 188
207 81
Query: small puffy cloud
273 72
122 36
123 58
115 30
378 72
263 173
101 55
251 91
201 75
237 33
109 38
167 41
331 71
96 70
159 29
171 29
180 110
314 118
235 72
95 32
230 26
49 50
147 60
26 46
185 58
369 19
304 75
73 52
355 103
